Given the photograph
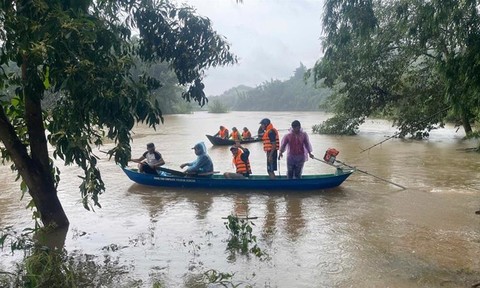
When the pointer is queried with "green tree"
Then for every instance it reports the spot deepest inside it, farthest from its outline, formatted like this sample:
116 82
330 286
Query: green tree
413 61
79 51
216 106
169 95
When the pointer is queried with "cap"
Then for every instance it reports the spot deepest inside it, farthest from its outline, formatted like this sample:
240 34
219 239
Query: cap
296 123
196 146
265 121
234 128
150 145
233 148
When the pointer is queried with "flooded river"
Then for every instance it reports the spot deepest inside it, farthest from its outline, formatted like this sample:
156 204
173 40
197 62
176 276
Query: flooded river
365 233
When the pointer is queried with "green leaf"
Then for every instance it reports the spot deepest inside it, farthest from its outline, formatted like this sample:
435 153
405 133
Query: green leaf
24 188
46 81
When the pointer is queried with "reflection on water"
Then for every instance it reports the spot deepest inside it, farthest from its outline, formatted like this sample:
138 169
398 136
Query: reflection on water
366 233
154 198
269 226
294 222
240 206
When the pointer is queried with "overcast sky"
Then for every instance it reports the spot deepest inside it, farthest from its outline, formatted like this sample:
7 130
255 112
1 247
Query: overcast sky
270 38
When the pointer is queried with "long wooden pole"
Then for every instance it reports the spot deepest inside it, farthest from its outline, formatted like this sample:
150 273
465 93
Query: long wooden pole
397 133
385 140
356 169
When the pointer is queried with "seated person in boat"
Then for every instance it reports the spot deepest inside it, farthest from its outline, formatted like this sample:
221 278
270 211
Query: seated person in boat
203 165
241 162
246 135
235 135
149 161
222 133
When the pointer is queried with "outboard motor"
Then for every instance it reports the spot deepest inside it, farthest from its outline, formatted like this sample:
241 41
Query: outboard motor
330 155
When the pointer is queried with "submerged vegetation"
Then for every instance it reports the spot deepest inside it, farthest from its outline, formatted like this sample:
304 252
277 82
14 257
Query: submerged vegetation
45 265
242 239
216 106
338 125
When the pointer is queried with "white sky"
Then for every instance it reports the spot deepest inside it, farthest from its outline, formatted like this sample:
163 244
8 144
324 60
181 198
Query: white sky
270 38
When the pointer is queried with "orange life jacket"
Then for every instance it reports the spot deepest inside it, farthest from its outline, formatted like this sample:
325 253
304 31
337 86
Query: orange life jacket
235 135
242 167
267 145
246 134
223 133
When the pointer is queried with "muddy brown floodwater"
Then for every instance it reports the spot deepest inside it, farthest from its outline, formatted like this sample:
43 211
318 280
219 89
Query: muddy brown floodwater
365 233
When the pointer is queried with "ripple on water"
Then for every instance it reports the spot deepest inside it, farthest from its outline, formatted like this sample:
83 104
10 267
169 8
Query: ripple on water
331 267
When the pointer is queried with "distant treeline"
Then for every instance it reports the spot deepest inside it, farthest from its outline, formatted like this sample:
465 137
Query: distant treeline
294 94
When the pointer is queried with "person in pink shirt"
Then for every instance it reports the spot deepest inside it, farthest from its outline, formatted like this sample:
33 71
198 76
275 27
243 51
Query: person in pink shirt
299 148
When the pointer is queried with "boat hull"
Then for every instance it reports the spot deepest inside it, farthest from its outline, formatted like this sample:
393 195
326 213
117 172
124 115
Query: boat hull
225 142
308 182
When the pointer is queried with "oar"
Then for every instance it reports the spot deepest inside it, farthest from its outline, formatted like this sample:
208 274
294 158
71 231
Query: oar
180 173
206 173
365 172
171 171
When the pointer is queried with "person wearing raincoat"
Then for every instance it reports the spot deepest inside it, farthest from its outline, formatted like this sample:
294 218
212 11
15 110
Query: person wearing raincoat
299 148
203 165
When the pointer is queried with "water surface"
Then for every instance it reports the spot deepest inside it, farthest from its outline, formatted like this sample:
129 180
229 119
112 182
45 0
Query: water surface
365 233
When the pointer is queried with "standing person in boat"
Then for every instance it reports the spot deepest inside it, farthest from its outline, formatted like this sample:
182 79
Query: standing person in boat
149 161
246 135
235 135
203 166
271 144
260 131
222 133
299 148
240 161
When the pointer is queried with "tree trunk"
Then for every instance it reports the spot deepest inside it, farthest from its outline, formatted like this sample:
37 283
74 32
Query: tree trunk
38 175
466 124
53 239
51 210
39 181
35 168
46 200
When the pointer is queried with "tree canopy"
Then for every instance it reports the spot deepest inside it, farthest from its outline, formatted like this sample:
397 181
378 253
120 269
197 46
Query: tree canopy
80 53
169 95
416 62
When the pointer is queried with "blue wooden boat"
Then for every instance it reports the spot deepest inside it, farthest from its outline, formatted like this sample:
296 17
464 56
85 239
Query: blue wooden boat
224 142
254 182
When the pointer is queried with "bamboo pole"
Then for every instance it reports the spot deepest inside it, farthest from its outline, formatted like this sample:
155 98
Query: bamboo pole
362 171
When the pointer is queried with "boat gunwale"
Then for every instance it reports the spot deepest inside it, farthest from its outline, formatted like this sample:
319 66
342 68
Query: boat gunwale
226 142
309 182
